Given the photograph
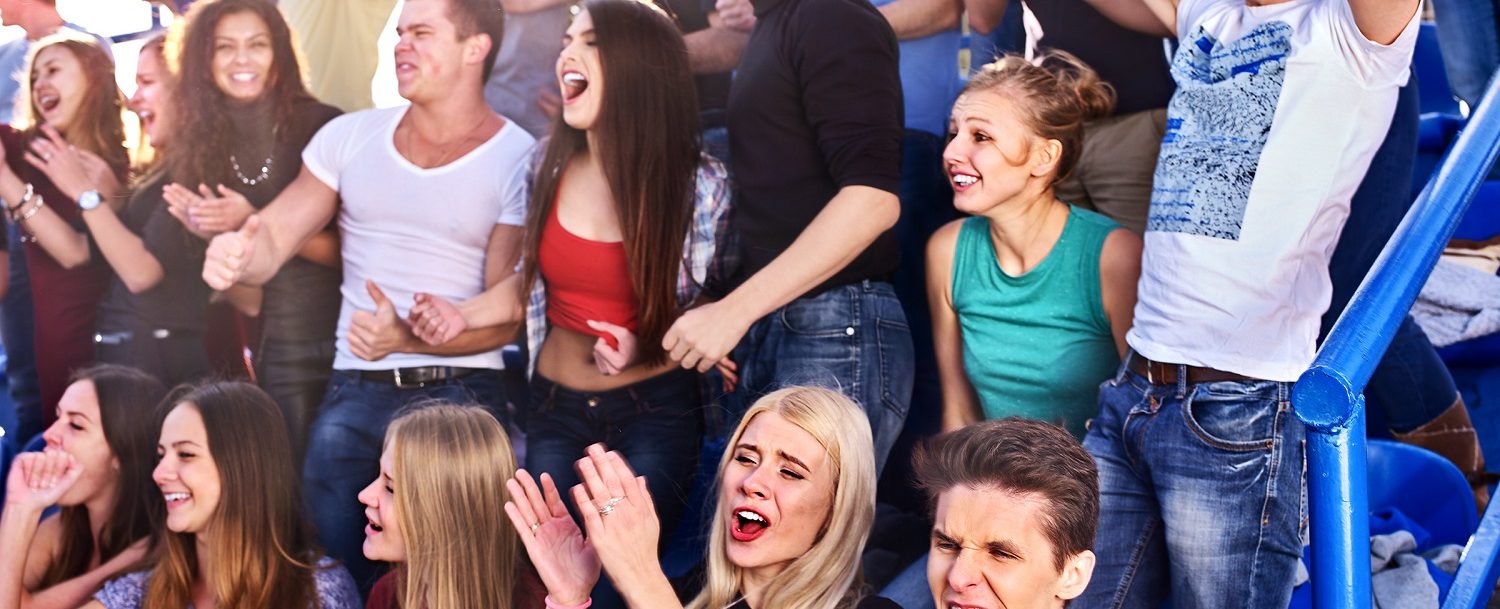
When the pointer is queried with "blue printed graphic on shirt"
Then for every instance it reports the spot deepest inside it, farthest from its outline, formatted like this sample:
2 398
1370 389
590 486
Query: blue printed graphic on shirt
1217 127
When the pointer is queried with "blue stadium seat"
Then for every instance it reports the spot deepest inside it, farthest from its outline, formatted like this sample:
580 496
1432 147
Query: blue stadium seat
1425 487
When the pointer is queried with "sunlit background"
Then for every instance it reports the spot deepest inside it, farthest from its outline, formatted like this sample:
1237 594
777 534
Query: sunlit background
113 18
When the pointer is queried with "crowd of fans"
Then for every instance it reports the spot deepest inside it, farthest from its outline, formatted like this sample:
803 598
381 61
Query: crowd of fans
786 230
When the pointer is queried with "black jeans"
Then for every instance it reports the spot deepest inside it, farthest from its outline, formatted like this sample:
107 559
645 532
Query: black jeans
173 359
295 373
656 424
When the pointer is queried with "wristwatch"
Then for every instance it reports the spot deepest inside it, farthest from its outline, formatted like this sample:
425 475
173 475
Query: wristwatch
88 200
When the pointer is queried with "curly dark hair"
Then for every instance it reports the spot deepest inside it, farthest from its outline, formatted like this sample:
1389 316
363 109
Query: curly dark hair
200 150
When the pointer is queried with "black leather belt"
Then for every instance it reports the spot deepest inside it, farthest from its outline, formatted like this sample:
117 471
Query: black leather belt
415 378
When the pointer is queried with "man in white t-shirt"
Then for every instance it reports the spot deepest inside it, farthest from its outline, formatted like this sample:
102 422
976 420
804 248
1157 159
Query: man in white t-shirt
421 188
1280 106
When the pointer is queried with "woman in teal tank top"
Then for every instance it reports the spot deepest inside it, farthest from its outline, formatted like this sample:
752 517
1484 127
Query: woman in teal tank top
1030 298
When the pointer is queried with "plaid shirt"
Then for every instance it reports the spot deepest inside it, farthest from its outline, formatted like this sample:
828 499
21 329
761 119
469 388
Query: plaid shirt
700 253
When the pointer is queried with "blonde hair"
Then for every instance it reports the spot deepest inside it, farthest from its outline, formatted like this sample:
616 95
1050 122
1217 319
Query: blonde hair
451 463
1055 94
827 576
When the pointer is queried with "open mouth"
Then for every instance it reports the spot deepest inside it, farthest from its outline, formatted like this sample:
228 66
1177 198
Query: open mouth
176 500
371 526
48 100
749 525
573 85
962 181
243 77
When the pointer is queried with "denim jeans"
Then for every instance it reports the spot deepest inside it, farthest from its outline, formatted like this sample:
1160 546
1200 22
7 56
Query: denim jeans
910 589
295 374
656 424
1200 491
1411 385
853 339
343 453
1470 34
18 330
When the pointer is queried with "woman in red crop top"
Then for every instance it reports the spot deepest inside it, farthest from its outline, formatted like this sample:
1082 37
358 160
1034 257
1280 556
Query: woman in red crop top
625 218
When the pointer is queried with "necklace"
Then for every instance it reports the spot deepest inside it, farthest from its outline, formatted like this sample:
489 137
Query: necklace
265 167
449 149
265 171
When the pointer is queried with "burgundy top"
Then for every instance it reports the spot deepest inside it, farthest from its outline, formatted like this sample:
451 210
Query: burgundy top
529 592
63 301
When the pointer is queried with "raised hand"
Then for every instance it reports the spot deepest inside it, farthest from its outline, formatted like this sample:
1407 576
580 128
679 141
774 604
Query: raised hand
620 518
225 211
65 166
736 14
229 255
374 335
38 480
435 320
564 560
613 360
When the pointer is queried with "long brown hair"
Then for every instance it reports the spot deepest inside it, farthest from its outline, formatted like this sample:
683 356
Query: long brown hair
146 155
261 547
127 403
98 126
451 464
200 152
649 150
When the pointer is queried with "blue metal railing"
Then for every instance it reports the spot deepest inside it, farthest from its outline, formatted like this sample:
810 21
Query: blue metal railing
1329 396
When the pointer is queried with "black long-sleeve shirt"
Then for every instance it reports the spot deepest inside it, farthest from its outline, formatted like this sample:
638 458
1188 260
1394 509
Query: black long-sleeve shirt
815 106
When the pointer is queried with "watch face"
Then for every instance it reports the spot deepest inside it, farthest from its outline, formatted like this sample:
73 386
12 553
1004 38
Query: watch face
88 200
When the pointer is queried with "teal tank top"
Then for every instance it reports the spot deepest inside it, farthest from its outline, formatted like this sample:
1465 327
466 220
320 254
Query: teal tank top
1037 345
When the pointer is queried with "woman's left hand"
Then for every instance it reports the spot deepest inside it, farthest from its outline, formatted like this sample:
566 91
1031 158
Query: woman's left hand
613 360
71 170
620 518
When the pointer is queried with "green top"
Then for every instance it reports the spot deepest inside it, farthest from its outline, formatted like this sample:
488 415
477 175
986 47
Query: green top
1037 345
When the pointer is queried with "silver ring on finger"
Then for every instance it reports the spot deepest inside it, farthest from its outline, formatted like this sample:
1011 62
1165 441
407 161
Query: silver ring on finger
46 156
535 526
609 506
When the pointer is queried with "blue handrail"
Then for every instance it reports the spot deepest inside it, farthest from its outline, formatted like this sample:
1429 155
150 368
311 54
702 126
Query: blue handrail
1328 397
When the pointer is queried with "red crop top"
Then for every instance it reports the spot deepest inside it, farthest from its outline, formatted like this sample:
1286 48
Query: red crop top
586 280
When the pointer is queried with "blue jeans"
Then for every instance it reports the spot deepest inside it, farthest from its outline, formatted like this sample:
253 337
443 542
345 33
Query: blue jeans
343 453
1470 34
1411 385
1200 491
910 589
18 330
853 339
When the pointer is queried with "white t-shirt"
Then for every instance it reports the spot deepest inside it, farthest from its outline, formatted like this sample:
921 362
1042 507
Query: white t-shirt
412 229
1278 112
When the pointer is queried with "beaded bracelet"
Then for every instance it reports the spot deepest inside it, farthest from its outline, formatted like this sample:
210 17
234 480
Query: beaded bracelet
31 211
11 212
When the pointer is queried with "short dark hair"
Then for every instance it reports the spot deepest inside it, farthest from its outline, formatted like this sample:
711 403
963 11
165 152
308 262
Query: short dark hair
1020 456
471 17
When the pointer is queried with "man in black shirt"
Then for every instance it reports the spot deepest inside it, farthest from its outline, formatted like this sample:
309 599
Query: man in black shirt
1114 175
815 144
